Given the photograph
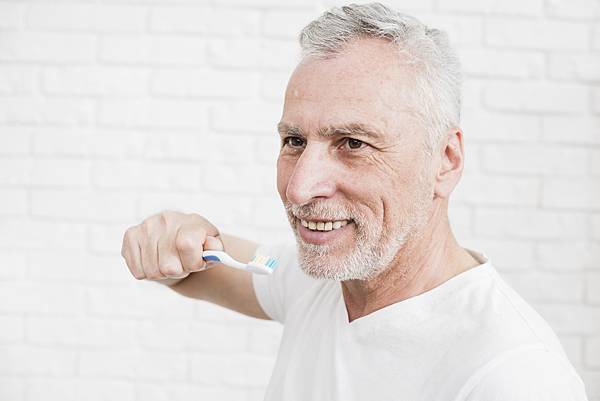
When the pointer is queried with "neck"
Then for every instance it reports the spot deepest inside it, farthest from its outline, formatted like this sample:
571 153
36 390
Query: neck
423 263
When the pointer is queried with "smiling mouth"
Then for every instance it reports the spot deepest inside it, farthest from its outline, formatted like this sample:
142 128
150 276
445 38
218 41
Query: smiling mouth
324 225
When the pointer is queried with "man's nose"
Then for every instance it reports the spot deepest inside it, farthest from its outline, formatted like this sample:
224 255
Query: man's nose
312 177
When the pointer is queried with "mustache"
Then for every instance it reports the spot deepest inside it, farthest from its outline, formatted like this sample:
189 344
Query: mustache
321 210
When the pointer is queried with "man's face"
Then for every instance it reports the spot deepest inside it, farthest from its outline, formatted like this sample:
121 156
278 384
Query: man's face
352 165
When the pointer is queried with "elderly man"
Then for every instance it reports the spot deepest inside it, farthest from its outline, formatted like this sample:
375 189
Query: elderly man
378 299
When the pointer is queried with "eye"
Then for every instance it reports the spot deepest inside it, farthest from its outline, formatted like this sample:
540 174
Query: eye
354 143
293 142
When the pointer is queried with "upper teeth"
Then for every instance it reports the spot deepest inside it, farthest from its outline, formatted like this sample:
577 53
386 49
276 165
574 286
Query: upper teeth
324 225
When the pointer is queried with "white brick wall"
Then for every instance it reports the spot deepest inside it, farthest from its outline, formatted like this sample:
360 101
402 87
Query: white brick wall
112 111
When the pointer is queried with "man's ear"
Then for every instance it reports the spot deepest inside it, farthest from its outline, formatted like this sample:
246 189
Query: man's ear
452 162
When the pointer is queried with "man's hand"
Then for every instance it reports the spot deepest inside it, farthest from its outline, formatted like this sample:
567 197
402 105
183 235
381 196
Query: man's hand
169 245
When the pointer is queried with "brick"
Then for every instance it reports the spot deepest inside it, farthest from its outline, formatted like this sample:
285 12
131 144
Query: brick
267 150
13 329
583 67
13 388
494 190
207 312
15 140
235 52
569 255
66 141
52 299
595 162
237 179
578 9
132 364
501 63
200 147
273 85
19 233
122 143
46 46
210 337
221 209
511 7
18 80
575 193
105 239
251 117
11 14
153 113
536 97
204 83
46 110
535 159
237 370
596 101
286 23
593 289
29 360
13 202
281 55
80 332
571 130
204 19
186 391
486 127
17 260
461 29
73 389
506 255
60 173
86 17
544 287
143 175
268 211
79 266
592 352
595 226
461 219
161 50
538 34
82 205
16 171
112 81
571 319
138 299
528 224
596 37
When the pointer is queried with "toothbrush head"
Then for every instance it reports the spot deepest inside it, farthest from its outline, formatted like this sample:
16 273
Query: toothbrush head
262 264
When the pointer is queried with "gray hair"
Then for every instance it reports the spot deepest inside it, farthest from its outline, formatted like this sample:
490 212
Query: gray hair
439 78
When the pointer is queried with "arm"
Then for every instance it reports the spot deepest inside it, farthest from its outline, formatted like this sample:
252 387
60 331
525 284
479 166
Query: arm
223 285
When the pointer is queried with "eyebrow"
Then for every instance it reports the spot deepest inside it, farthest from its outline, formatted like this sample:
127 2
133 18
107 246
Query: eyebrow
358 129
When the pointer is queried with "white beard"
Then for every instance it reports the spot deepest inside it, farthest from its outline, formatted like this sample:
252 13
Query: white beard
374 250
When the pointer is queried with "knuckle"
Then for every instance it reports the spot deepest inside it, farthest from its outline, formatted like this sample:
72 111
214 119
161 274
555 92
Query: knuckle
186 242
170 270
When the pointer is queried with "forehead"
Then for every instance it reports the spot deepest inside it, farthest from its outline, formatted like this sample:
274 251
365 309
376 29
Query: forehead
367 83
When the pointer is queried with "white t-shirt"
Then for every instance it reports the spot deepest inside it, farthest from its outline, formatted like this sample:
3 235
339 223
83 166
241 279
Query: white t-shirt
473 338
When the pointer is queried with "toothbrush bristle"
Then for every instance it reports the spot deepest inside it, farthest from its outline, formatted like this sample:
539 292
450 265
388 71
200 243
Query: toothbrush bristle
260 260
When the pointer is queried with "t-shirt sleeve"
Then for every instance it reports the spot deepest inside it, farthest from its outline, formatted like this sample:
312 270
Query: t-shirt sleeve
277 292
532 375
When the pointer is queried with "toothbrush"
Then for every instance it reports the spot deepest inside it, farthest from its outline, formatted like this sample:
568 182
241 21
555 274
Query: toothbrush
260 264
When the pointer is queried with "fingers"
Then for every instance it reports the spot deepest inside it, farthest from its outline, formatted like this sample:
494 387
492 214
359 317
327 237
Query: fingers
189 242
168 261
130 251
